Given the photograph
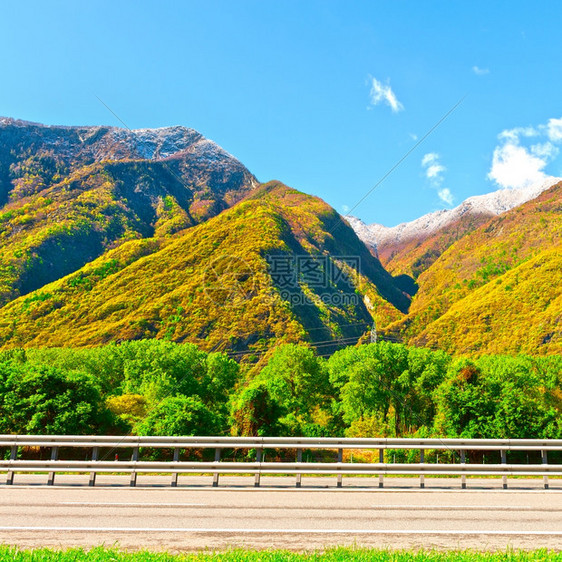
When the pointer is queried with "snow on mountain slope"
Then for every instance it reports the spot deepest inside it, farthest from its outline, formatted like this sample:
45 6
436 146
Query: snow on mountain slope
50 152
377 236
156 144
114 143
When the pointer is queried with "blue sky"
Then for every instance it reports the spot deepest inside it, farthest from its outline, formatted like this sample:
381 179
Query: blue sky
326 96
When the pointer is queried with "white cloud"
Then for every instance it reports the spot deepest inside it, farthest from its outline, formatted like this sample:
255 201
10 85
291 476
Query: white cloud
446 196
518 162
544 150
514 166
429 158
517 132
480 71
554 130
345 209
434 170
413 136
382 93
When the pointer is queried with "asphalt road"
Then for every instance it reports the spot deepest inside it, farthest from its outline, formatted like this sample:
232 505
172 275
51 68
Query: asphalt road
196 516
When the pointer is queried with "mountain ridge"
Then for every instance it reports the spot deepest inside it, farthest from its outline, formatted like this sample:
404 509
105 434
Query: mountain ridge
108 234
213 285
157 143
383 240
468 272
68 194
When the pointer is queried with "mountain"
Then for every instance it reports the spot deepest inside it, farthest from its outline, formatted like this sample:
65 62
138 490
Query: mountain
69 194
496 282
224 284
108 235
520 312
410 248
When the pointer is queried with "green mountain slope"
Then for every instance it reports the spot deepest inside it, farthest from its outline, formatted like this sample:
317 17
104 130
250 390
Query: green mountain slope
519 312
415 256
470 267
108 234
221 284
68 194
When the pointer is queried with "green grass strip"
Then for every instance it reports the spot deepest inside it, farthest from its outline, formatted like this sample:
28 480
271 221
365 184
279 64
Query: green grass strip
11 554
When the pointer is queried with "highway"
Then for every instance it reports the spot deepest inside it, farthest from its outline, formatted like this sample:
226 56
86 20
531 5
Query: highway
196 516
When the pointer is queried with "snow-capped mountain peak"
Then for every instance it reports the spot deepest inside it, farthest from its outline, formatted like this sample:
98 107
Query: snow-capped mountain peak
491 204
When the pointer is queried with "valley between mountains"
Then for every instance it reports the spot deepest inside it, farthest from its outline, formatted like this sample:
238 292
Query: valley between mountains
112 235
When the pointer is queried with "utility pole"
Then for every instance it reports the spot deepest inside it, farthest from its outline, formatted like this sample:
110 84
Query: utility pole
374 332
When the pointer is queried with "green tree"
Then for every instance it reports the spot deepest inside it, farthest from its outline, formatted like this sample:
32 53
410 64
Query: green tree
253 412
47 400
181 415
296 378
222 374
496 397
159 368
369 384
426 371
291 395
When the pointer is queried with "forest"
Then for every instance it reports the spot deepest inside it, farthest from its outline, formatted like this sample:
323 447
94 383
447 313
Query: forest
383 389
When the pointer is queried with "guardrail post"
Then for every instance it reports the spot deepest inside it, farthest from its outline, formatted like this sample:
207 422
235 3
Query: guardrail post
504 461
54 455
299 475
13 457
258 474
544 461
422 477
381 461
463 477
216 474
175 474
340 476
134 458
92 481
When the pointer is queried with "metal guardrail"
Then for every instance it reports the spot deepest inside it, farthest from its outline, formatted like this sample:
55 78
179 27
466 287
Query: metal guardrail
259 466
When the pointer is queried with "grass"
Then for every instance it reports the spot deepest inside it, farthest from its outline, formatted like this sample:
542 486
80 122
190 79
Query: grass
332 555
